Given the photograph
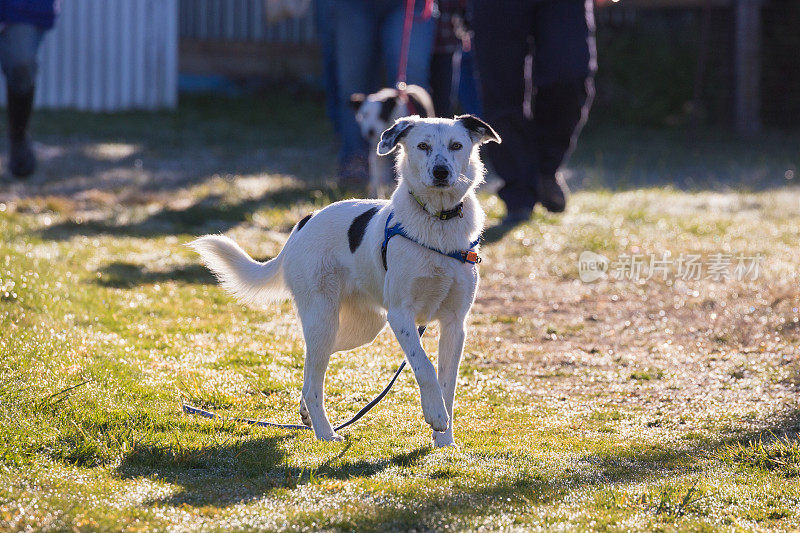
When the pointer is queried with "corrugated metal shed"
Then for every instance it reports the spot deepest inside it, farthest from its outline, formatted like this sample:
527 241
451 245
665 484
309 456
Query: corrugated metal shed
110 55
240 20
231 38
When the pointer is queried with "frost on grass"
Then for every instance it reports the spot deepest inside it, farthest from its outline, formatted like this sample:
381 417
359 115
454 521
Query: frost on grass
580 406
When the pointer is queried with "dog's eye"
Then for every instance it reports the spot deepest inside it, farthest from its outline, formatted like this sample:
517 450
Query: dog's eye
456 146
424 146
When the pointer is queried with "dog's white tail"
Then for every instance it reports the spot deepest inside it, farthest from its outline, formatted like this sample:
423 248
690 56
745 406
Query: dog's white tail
248 280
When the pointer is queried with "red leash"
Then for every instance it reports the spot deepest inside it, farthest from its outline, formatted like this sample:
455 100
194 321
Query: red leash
405 44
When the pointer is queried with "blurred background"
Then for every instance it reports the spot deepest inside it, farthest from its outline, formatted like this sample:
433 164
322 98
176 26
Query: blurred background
663 63
692 93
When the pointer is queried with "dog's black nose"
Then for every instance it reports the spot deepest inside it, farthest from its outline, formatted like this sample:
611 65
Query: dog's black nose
440 175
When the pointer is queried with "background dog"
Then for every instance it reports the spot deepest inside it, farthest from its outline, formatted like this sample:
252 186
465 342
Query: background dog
375 113
333 266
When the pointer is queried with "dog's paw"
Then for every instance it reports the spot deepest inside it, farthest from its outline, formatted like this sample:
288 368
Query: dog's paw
334 437
434 411
437 418
440 422
443 439
304 415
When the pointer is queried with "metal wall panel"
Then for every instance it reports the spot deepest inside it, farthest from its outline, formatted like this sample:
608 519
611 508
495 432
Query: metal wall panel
110 55
240 20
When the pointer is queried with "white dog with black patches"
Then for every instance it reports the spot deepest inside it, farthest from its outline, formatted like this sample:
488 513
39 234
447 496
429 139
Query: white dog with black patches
358 263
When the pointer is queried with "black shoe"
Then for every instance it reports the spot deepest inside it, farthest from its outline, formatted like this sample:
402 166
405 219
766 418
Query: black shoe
22 160
552 192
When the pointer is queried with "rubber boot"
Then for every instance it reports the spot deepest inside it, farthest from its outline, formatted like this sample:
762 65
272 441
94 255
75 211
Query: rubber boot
22 160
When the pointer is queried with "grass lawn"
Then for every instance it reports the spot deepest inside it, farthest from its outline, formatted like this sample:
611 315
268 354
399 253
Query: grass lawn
644 404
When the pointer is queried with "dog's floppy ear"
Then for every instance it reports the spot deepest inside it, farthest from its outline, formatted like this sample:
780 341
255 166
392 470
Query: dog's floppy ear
356 100
479 131
392 136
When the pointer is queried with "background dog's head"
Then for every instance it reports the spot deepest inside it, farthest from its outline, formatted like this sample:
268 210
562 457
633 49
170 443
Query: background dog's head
438 153
374 112
377 111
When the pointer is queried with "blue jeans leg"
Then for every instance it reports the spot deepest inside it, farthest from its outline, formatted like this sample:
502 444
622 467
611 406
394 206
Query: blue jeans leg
363 29
19 46
326 32
420 47
356 60
468 93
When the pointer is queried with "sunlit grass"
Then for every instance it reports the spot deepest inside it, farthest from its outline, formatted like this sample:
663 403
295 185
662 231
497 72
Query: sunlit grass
778 454
650 405
135 326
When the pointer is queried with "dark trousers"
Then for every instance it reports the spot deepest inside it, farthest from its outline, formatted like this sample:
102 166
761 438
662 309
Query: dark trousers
19 46
442 84
559 35
453 75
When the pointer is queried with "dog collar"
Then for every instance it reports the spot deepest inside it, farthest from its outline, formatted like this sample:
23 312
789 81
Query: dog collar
447 214
465 256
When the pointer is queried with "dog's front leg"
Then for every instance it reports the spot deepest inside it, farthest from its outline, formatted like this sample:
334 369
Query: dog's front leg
402 323
451 346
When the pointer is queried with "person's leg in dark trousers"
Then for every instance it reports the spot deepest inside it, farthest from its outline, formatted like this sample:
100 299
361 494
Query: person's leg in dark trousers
442 84
564 61
19 47
501 29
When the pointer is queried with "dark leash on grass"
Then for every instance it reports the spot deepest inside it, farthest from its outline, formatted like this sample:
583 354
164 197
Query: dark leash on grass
191 410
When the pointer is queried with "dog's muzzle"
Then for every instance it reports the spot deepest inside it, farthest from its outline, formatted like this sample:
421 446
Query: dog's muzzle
441 176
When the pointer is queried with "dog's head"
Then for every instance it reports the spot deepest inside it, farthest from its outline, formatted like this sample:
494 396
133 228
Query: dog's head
374 112
438 153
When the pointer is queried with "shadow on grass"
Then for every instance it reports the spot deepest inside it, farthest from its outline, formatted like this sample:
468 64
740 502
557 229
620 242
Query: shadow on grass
247 470
276 131
209 214
496 233
240 471
539 488
122 275
619 158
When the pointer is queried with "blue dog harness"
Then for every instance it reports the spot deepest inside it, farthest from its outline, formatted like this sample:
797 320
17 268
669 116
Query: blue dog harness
465 256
